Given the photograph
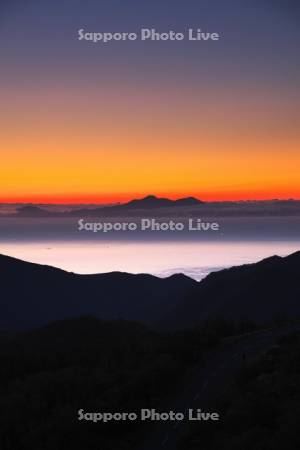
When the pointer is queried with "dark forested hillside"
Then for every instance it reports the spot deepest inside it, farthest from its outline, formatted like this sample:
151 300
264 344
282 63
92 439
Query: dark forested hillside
47 375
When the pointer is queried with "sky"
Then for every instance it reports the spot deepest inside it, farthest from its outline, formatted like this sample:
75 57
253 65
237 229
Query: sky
84 122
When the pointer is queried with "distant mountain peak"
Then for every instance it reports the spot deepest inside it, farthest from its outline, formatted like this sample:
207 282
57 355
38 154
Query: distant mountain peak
150 197
152 201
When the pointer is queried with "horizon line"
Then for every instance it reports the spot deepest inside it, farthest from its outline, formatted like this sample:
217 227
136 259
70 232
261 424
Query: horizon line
72 201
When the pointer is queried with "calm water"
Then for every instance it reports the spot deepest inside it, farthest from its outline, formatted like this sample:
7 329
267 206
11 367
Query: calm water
58 243
195 259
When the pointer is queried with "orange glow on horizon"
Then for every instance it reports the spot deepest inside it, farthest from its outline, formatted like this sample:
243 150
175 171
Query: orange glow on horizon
125 197
111 144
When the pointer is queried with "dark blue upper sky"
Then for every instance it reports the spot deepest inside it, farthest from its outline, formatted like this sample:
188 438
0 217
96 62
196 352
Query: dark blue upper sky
260 38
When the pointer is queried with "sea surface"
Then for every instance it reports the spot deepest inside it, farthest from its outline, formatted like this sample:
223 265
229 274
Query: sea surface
59 243
195 259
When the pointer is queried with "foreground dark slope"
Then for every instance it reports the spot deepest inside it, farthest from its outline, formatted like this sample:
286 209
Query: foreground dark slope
32 295
48 374
261 292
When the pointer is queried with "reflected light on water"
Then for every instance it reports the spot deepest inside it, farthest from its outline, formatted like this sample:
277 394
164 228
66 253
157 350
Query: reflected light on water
195 259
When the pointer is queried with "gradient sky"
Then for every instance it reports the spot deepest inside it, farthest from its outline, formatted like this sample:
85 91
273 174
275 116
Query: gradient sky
83 122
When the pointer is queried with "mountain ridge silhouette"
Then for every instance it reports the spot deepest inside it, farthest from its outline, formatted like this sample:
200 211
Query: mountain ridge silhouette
33 294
